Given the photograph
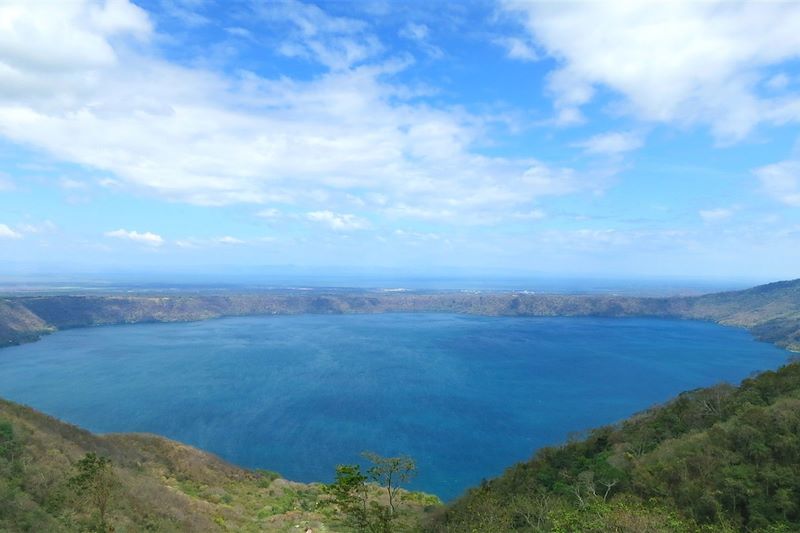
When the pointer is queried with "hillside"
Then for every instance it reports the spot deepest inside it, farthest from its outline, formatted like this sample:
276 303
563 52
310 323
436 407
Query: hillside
18 324
771 312
160 485
716 459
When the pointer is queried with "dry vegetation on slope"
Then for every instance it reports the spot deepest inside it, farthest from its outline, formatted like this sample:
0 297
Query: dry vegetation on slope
161 485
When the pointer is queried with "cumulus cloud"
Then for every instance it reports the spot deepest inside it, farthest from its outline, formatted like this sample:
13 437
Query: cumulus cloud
612 143
680 62
204 137
8 233
146 238
43 45
338 221
781 181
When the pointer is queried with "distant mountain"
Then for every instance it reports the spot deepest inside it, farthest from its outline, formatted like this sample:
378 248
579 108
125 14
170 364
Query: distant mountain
718 459
771 312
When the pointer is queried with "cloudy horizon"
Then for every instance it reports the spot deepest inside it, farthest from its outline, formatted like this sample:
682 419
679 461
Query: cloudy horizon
492 136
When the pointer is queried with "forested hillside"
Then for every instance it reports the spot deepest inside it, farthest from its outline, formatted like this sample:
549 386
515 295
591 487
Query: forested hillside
714 459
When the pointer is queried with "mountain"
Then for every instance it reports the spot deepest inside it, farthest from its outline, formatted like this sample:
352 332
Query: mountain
771 312
717 459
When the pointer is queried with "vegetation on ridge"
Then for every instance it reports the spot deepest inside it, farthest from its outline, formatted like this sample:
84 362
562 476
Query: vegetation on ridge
56 477
715 459
771 312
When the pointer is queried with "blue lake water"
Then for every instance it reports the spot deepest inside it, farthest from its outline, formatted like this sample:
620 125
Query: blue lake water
465 396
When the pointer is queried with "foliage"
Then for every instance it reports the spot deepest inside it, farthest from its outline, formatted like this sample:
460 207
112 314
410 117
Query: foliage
350 493
95 482
10 447
716 459
358 496
390 472
159 485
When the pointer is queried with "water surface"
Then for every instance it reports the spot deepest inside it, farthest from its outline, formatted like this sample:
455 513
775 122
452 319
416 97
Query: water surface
465 396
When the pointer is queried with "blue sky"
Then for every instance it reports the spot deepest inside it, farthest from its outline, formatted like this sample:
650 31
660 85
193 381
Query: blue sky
603 139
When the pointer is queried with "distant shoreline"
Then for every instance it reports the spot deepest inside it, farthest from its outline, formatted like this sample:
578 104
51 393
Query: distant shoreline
770 312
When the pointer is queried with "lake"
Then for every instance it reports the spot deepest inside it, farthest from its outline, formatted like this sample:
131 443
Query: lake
465 396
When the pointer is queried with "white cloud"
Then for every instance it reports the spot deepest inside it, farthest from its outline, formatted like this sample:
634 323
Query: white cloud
46 226
42 44
417 235
201 137
338 221
8 233
679 62
71 184
336 42
186 243
420 34
227 239
778 82
781 181
147 238
716 214
194 242
239 32
612 143
517 48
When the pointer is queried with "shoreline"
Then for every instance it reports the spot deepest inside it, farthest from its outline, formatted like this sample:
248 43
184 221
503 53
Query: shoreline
770 312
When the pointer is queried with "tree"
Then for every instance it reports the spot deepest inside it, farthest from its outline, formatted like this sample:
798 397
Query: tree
10 454
10 448
95 483
350 491
390 472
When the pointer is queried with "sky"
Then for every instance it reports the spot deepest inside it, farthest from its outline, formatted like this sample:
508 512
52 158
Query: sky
568 138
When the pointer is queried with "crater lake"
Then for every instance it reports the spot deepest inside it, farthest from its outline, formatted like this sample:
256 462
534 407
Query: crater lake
465 396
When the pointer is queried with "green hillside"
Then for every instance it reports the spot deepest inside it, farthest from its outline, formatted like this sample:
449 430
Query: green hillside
717 459
714 459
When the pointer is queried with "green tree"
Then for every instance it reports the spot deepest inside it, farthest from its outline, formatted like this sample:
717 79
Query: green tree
10 448
95 483
349 493
389 473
